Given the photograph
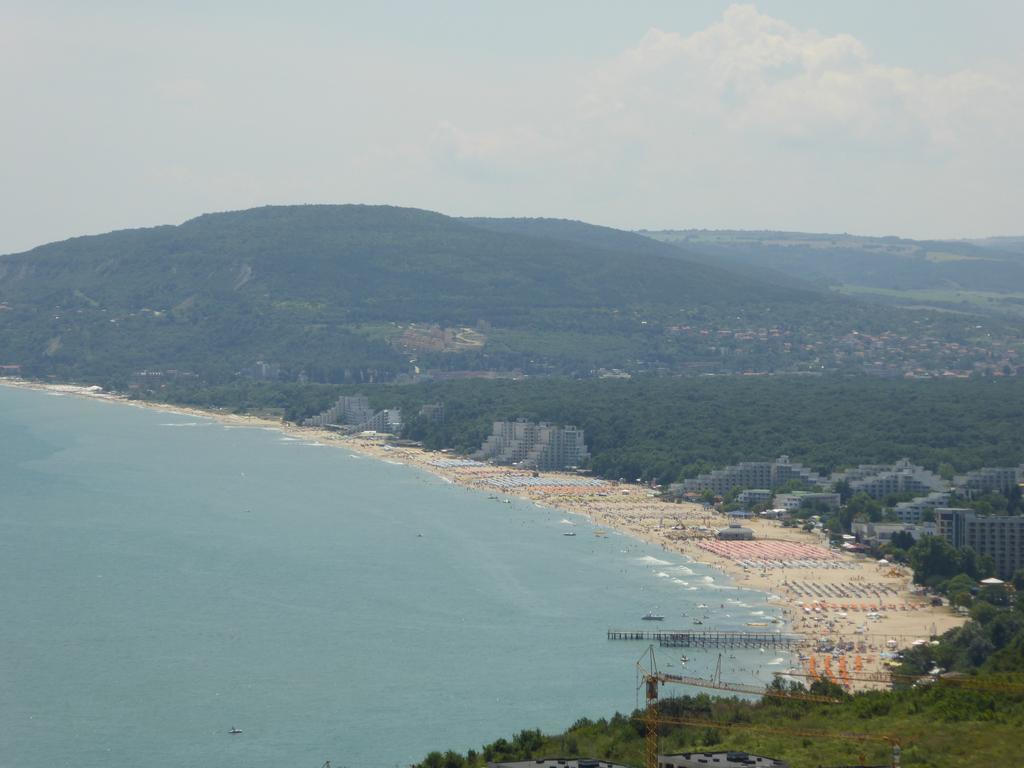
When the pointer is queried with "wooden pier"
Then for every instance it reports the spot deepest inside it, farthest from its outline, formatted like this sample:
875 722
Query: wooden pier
684 638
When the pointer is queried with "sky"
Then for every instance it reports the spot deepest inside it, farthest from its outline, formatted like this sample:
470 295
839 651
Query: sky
894 117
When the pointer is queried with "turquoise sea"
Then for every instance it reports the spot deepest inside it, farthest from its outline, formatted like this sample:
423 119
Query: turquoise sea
164 578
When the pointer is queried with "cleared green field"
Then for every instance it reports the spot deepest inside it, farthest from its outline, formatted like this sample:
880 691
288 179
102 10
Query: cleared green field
1011 302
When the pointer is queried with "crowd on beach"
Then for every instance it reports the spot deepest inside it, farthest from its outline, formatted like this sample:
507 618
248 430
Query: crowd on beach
838 601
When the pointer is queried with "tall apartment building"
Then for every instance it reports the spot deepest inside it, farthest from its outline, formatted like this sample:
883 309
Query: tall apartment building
534 446
352 410
878 481
988 479
752 474
1000 537
387 420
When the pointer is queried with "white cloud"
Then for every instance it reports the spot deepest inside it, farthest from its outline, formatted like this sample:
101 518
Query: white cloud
753 108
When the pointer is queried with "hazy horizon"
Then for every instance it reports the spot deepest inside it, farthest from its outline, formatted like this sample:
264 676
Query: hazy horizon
781 115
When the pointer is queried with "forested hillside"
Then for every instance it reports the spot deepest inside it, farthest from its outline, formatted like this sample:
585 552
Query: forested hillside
366 293
667 428
976 276
325 287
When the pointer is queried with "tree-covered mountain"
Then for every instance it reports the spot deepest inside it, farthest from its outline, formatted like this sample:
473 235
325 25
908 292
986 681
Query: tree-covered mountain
313 286
977 275
367 292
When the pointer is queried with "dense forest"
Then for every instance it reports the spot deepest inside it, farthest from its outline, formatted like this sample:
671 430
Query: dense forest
975 719
665 428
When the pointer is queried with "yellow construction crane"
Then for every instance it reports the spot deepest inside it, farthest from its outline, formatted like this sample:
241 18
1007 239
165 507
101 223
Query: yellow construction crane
652 678
961 682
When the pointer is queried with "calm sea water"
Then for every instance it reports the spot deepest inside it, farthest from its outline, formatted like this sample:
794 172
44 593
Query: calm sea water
165 578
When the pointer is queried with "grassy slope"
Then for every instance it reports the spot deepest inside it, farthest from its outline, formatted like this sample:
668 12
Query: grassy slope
943 727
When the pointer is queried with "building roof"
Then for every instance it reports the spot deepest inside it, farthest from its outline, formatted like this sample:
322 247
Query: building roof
559 762
721 760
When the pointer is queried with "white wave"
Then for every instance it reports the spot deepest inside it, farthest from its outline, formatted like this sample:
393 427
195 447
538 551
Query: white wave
708 579
680 581
775 662
653 560
563 521
355 456
662 575
757 613
184 424
396 463
683 570
691 589
315 445
289 440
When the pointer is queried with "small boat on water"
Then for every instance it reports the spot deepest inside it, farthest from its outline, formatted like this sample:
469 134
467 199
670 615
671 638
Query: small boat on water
651 616
697 621
235 730
569 533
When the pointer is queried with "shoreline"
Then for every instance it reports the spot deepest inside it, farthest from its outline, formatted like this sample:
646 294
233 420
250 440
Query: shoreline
869 607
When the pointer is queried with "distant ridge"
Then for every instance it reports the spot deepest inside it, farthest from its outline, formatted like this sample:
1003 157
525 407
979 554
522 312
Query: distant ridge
316 287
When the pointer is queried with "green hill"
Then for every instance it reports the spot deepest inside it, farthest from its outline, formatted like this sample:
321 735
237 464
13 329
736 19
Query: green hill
320 287
366 293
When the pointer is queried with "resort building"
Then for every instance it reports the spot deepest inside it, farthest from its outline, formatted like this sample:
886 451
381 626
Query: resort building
913 511
989 479
355 413
753 496
791 502
882 533
389 420
879 481
534 446
1001 537
752 474
348 410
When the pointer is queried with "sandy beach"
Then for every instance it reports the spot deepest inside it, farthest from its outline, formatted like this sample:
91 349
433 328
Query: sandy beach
830 598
